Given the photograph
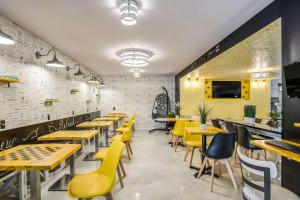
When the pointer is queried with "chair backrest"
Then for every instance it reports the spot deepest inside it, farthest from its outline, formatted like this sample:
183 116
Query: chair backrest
179 126
127 134
216 123
244 136
230 126
221 146
110 163
192 137
265 169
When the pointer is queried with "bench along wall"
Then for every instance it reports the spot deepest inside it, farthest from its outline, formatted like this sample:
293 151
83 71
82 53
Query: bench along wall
23 104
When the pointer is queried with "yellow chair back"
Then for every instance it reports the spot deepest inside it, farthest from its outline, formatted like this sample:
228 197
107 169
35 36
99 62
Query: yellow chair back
192 137
178 129
128 133
110 163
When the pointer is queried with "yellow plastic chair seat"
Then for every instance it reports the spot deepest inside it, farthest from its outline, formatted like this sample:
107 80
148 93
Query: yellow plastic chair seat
194 143
122 129
90 185
100 155
117 137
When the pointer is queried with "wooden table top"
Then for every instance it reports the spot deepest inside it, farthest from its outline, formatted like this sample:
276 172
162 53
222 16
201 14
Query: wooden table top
121 116
210 130
95 124
277 150
107 119
69 135
297 125
36 156
117 113
171 119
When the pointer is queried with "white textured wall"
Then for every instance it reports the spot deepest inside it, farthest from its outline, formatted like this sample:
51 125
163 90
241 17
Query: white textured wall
135 95
23 104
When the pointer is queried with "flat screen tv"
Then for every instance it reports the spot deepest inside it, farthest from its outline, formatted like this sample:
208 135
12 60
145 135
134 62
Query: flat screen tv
226 89
292 79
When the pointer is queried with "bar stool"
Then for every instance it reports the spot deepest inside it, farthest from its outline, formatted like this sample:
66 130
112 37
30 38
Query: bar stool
220 149
261 190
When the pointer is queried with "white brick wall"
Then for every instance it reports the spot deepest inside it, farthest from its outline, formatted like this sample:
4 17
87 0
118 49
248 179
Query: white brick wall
23 104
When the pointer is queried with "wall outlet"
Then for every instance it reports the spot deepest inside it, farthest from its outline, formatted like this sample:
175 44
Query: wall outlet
2 124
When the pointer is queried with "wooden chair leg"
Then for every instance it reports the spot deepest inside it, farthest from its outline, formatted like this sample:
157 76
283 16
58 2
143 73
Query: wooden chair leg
220 169
171 137
192 156
230 174
127 150
187 152
212 175
109 196
176 143
265 154
122 168
202 167
120 176
130 149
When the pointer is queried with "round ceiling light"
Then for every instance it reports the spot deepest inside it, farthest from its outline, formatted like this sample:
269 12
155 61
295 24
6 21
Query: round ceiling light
129 12
134 57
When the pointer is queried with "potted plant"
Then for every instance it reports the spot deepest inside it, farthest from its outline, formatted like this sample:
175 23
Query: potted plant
249 114
275 115
204 111
177 110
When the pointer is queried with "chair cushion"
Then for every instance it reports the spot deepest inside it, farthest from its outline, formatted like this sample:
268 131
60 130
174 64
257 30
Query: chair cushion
277 193
90 185
100 155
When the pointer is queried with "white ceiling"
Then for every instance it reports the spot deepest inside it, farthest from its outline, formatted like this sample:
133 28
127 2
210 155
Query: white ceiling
176 31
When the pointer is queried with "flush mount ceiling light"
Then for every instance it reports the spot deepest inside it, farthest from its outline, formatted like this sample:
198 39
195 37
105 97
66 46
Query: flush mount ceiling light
78 73
134 57
137 72
129 11
51 63
260 75
6 39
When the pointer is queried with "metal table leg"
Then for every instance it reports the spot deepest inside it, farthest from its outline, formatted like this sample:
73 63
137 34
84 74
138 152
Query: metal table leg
35 185
22 182
63 183
90 156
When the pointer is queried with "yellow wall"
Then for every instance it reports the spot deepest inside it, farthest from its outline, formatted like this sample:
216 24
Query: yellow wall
193 94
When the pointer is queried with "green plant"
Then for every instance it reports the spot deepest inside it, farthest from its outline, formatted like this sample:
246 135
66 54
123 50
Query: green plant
249 111
171 114
177 109
275 115
204 110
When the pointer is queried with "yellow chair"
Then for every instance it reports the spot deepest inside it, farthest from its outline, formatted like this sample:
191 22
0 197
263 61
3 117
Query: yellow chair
101 181
178 131
192 141
126 138
101 154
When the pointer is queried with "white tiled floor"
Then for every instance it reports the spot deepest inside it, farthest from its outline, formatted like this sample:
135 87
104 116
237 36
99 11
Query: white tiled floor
156 172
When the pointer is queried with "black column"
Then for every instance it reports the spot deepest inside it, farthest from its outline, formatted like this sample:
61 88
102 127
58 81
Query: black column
291 106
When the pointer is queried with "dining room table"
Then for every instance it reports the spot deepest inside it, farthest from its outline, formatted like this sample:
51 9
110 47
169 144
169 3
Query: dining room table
98 125
72 136
115 121
35 158
208 131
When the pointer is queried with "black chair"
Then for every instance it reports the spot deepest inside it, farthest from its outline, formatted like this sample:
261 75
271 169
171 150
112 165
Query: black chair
244 139
216 123
220 149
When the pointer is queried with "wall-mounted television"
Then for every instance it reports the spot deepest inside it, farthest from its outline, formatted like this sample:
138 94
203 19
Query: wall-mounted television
292 79
226 89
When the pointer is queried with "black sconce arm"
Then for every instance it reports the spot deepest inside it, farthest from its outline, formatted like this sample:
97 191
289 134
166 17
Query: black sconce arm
68 68
38 55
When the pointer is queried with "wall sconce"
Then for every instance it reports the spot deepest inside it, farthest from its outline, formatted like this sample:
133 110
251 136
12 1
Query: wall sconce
258 83
51 63
6 39
187 82
78 73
